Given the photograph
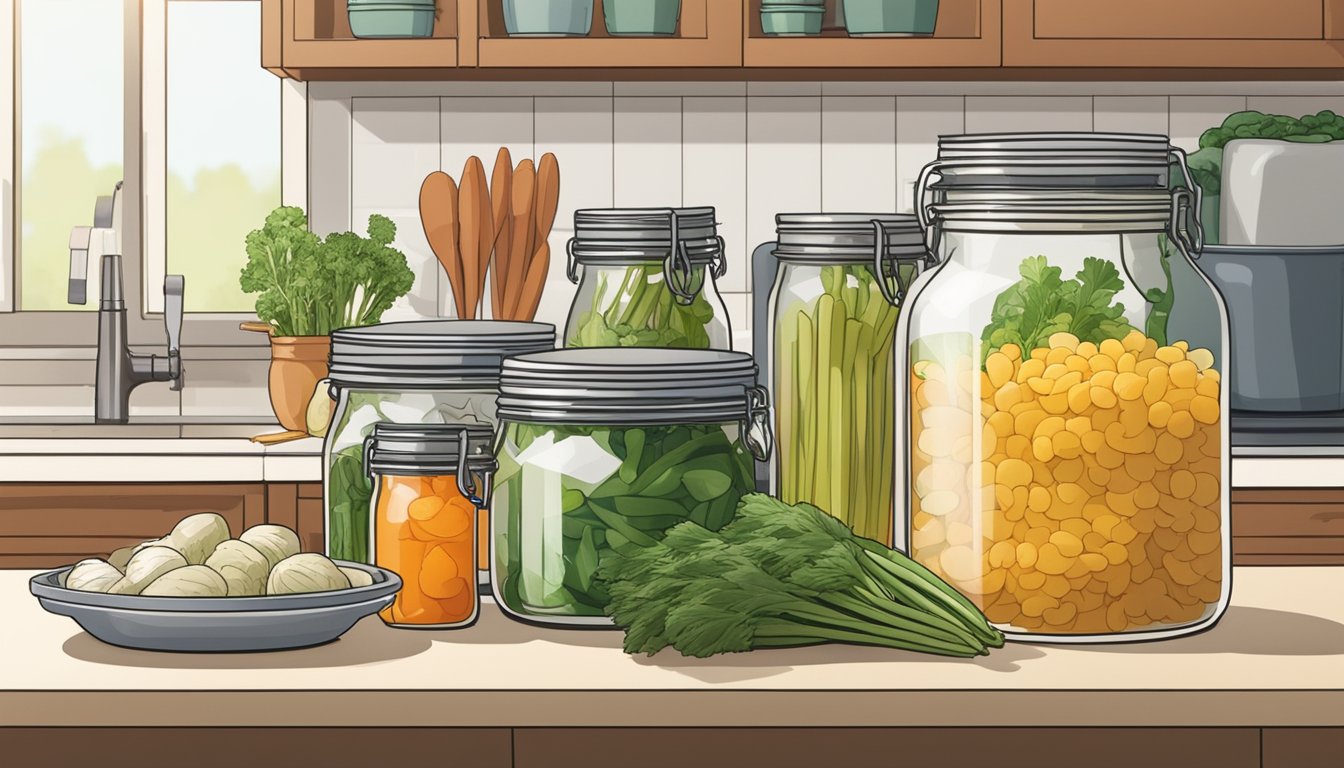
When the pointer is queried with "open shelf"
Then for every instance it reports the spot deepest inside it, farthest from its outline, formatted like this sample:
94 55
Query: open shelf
315 35
967 35
709 35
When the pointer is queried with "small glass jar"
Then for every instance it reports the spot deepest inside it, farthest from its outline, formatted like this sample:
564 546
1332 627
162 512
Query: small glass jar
431 372
1065 415
647 278
431 481
605 448
833 320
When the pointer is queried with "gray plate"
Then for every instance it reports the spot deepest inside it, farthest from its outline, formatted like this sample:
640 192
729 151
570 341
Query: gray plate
217 624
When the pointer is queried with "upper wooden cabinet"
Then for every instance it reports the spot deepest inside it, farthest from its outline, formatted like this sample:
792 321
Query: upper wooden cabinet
722 39
1242 34
967 35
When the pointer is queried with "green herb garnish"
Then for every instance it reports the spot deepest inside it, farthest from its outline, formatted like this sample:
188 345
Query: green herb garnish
1042 303
780 576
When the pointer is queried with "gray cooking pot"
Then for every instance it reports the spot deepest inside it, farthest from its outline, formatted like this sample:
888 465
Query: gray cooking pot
1287 322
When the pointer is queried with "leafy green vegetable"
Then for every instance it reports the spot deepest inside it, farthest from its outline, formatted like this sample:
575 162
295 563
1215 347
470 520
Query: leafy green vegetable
834 400
1042 303
1161 300
552 528
309 287
349 493
643 312
781 575
1206 165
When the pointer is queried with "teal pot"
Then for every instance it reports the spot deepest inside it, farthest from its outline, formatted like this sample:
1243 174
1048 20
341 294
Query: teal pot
548 18
894 18
641 17
781 20
373 19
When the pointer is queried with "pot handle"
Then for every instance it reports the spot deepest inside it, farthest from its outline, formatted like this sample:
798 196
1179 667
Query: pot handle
258 327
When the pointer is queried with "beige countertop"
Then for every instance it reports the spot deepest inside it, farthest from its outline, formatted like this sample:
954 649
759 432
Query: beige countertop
1277 658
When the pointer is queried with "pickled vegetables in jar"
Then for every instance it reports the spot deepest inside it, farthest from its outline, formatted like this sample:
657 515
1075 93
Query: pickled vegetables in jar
432 484
1066 417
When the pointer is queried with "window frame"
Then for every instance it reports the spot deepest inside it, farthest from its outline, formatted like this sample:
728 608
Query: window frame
144 192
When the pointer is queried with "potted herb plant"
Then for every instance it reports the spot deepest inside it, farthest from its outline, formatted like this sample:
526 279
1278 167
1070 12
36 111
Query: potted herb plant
548 18
641 17
309 287
895 18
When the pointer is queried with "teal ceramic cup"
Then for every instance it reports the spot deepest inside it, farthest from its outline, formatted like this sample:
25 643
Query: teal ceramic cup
391 18
548 18
641 17
792 19
890 17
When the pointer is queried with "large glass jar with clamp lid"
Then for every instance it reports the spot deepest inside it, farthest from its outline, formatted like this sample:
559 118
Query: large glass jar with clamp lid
607 448
647 278
431 372
833 320
1065 415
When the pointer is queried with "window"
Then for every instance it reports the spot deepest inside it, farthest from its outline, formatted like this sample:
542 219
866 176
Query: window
209 163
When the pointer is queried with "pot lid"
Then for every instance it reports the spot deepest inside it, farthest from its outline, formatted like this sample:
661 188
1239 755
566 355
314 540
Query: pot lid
847 237
431 353
628 386
428 449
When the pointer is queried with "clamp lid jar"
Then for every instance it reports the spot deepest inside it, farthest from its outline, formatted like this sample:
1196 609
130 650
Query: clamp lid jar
647 278
607 448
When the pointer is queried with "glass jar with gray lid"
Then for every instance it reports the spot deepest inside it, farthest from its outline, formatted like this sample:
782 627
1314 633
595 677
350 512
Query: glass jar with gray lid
833 313
427 372
647 278
608 448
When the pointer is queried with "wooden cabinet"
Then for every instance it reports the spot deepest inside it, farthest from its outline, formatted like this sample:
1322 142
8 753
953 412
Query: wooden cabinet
967 35
45 525
722 39
1259 34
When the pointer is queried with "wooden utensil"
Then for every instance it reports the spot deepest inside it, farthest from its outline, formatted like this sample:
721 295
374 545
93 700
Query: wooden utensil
547 197
439 216
524 233
535 283
276 438
470 216
501 202
486 245
265 328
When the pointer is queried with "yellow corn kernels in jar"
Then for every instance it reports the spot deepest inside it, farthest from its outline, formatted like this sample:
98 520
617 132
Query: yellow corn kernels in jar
1072 489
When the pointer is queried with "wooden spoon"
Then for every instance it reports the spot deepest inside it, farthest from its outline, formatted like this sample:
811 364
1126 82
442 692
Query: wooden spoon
501 200
535 284
548 196
470 233
486 245
524 233
438 215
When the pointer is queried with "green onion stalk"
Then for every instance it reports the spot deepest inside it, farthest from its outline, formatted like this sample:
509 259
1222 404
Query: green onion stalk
643 312
835 404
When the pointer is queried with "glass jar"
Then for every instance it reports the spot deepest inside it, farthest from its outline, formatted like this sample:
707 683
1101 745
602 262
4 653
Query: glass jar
833 316
647 278
1065 416
431 372
605 448
431 482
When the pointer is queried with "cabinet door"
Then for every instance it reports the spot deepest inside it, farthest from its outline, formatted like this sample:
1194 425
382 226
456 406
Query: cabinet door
1238 34
45 525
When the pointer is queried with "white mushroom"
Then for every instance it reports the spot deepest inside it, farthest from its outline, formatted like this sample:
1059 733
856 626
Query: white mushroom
308 572
242 566
357 577
197 536
276 542
188 581
147 565
92 575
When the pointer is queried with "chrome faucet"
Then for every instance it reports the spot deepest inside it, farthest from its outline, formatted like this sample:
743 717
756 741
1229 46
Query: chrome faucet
119 370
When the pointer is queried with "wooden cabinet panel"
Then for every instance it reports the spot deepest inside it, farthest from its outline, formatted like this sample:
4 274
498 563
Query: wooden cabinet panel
1183 20
1201 34
1272 526
49 524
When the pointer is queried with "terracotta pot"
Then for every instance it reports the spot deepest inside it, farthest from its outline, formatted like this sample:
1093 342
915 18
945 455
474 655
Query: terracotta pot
297 364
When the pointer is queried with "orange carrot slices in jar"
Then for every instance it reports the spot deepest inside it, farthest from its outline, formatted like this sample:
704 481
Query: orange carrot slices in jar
432 482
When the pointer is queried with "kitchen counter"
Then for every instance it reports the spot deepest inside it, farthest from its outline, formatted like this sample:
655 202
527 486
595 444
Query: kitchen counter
1276 659
203 451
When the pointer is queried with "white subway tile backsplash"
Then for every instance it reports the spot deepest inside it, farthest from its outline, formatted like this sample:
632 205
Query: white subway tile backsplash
480 125
783 161
714 172
920 120
329 157
858 153
395 143
647 165
1012 114
1130 114
1191 116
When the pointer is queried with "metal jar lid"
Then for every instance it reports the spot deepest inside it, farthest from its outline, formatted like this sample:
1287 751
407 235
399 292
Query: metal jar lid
432 353
628 386
845 238
433 450
678 238
651 226
1151 146
1044 212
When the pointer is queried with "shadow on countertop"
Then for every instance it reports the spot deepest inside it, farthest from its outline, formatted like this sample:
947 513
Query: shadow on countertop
1252 632
366 643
